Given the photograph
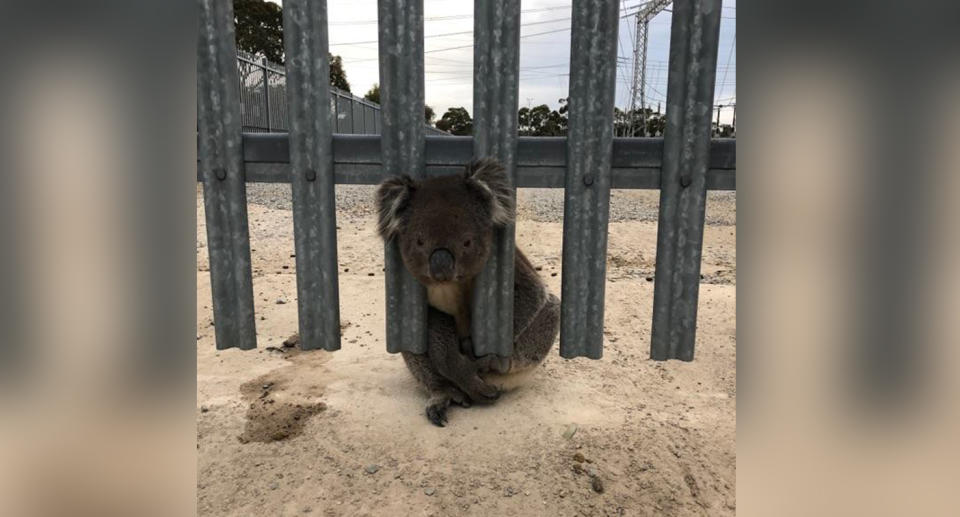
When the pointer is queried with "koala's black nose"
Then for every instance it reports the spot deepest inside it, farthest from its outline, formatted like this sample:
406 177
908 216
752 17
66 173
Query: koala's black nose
441 265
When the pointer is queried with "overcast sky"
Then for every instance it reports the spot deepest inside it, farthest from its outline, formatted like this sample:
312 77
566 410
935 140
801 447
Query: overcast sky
544 59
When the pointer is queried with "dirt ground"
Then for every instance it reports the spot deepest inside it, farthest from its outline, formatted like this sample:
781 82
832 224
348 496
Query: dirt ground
283 432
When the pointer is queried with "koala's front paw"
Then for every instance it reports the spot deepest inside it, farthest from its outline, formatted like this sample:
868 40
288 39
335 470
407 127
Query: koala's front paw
485 393
437 410
440 402
494 363
437 414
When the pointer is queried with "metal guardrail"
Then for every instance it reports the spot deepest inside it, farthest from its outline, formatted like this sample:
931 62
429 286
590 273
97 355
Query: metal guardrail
587 164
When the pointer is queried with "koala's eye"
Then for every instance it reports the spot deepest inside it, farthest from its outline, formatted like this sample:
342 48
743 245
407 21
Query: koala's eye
466 243
419 242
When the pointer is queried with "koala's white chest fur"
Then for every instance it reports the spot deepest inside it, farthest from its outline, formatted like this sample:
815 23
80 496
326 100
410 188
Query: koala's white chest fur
454 299
448 297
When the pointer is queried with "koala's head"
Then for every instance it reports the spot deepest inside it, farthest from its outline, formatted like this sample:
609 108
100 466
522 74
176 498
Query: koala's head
444 226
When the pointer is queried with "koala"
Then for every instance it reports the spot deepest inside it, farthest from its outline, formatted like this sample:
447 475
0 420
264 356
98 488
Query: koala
444 229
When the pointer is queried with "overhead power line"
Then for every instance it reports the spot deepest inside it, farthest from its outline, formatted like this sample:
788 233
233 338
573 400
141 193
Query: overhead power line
460 33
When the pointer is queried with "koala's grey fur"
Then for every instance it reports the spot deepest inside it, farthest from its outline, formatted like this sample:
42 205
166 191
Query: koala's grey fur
457 215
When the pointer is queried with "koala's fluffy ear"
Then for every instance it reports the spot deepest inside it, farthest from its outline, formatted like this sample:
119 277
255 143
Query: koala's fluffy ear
393 196
491 179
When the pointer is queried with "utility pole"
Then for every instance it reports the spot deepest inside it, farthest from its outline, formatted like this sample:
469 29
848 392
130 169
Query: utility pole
734 119
638 88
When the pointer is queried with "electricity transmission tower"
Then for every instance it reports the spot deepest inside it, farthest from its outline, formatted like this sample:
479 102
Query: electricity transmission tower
638 88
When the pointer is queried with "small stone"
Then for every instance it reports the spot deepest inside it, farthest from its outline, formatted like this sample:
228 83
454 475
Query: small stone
553 274
578 457
204 409
292 341
577 469
346 270
429 490
286 267
281 301
649 279
372 468
570 431
274 485
369 274
597 485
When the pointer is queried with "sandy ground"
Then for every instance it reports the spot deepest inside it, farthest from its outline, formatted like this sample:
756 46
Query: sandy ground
280 432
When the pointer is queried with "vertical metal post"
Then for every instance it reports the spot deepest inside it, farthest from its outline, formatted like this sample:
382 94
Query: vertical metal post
694 38
336 109
353 118
266 91
311 164
402 144
221 167
496 73
593 72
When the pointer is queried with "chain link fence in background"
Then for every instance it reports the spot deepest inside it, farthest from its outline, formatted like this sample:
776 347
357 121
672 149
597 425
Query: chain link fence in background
263 102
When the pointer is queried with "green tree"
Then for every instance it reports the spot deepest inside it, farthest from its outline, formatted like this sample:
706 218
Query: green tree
625 125
259 28
428 115
656 123
456 121
373 94
542 121
338 77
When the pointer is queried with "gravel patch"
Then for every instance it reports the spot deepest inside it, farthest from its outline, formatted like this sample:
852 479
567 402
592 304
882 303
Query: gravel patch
353 201
536 204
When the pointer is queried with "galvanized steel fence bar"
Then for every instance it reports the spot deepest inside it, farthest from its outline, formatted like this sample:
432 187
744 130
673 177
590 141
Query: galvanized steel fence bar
684 164
220 155
402 147
311 164
686 147
593 74
496 86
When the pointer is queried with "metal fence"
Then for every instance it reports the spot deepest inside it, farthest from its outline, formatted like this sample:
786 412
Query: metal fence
587 164
263 102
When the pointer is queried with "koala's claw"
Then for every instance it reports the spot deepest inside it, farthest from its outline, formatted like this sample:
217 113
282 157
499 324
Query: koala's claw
437 414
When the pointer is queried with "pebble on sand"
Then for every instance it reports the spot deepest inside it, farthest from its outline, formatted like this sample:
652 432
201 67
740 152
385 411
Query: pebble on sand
597 485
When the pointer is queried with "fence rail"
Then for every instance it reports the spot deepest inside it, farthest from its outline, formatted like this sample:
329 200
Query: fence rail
587 164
